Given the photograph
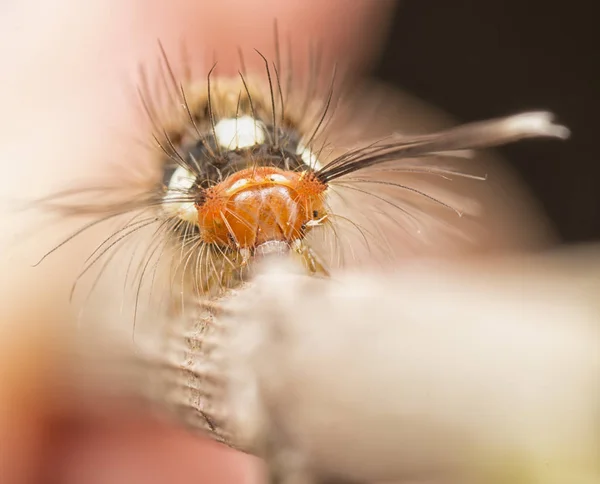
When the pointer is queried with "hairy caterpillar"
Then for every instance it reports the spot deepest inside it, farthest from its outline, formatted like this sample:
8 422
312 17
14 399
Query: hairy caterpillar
246 165
249 165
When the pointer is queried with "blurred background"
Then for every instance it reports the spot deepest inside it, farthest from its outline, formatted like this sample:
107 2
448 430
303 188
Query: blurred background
479 59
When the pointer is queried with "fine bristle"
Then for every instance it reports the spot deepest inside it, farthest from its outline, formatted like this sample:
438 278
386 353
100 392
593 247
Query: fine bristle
536 124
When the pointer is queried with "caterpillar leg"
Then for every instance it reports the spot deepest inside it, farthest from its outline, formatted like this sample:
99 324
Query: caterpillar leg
309 258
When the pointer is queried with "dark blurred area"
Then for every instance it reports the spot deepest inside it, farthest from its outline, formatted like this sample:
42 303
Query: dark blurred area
479 59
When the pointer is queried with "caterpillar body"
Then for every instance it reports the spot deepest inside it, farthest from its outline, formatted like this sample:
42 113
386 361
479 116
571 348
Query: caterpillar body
248 166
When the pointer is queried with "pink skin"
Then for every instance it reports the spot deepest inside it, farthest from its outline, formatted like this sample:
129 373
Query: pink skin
64 65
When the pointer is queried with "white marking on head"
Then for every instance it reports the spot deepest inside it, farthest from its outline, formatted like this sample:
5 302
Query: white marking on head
318 222
237 185
242 132
181 180
276 177
308 157
179 185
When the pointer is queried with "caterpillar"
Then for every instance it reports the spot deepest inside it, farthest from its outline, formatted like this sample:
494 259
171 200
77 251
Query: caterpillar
243 167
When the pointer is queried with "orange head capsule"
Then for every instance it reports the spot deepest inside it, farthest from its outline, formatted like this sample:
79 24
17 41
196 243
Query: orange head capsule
261 204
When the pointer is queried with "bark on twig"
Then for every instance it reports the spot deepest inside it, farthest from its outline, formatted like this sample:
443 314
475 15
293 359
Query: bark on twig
438 374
